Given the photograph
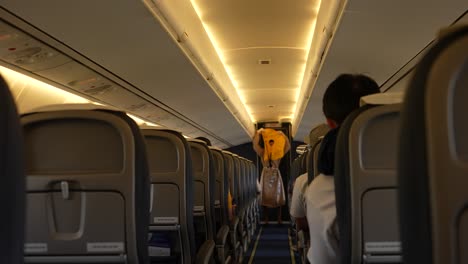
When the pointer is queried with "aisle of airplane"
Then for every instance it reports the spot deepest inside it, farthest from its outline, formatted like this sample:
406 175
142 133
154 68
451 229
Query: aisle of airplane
131 181
126 131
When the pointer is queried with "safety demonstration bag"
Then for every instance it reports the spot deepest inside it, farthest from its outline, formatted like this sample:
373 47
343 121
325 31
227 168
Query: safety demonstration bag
272 188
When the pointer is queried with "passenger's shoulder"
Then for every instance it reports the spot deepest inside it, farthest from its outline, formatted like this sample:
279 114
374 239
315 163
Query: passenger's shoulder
302 178
322 180
320 185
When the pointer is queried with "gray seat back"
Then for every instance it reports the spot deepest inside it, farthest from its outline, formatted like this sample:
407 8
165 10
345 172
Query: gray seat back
221 189
317 133
434 155
243 181
237 195
12 196
229 172
252 181
204 186
304 162
172 189
366 185
88 188
293 176
294 169
312 168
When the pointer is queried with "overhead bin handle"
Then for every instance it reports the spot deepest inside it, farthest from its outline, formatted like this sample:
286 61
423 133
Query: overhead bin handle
65 190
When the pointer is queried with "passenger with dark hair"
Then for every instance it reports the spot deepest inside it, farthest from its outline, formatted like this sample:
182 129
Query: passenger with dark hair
340 99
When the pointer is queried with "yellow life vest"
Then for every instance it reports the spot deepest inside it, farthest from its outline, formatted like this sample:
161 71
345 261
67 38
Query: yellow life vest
230 211
274 151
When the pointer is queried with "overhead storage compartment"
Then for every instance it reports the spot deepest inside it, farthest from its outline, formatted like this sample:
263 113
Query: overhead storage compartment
20 50
27 53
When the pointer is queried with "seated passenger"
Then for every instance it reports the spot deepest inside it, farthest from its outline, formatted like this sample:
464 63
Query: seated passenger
340 99
297 209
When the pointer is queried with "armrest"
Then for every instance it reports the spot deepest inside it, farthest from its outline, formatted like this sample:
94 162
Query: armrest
242 215
234 223
205 253
222 235
301 239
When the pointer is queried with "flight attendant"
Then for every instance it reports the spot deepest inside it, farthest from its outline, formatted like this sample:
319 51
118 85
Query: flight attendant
271 146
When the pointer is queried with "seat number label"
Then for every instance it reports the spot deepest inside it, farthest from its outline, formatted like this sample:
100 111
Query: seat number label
383 247
35 248
105 247
166 220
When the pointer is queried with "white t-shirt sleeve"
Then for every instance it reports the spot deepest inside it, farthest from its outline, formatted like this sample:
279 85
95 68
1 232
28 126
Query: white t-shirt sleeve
297 201
332 236
321 217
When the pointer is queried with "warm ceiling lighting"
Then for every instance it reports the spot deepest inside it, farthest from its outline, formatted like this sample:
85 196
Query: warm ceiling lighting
14 78
221 57
141 122
303 72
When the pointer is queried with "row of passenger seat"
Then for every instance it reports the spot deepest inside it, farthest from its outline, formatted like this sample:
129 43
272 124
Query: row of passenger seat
100 190
12 186
400 169
365 185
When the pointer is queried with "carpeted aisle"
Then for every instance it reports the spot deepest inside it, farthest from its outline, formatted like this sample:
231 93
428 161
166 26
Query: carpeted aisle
272 246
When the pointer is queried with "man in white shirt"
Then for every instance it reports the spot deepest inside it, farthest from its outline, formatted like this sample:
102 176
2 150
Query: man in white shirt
340 99
297 209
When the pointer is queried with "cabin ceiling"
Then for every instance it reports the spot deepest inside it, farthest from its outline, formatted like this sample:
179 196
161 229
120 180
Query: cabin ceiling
122 37
377 38
264 45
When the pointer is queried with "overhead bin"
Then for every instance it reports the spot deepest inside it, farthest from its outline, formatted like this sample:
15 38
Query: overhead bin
25 52
19 50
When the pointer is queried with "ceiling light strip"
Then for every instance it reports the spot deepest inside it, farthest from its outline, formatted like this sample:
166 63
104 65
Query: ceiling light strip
223 60
14 78
315 63
242 117
302 87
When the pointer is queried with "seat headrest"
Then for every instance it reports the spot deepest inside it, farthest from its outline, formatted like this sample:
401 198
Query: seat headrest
316 133
148 127
61 107
215 148
301 149
382 99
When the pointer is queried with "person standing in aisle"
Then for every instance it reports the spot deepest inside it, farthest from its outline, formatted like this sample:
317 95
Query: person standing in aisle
271 146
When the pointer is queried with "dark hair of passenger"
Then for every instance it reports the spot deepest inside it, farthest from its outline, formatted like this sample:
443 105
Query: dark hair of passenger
207 141
343 95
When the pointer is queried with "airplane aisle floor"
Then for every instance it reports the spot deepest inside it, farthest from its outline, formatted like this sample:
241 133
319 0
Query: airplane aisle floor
272 245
